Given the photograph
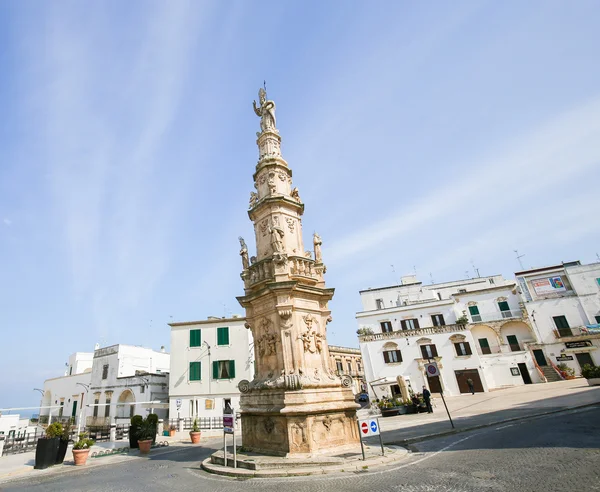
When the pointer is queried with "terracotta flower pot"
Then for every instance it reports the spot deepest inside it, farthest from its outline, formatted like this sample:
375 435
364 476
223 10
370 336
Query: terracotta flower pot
171 432
195 436
145 446
80 456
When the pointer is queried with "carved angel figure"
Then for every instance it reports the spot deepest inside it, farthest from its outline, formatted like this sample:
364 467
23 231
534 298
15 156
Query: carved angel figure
253 199
244 252
266 111
317 242
295 194
277 235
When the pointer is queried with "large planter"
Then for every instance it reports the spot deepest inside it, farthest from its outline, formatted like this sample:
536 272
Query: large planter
411 409
171 432
389 412
594 381
145 446
402 410
62 451
133 442
45 452
80 456
195 437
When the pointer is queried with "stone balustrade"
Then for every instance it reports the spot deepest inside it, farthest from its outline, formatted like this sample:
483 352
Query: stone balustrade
432 330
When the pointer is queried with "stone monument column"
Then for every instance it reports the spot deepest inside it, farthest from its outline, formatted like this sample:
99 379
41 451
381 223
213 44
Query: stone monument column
295 404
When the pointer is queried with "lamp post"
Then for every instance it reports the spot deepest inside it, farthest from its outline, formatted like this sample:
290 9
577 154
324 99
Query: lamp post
49 410
86 387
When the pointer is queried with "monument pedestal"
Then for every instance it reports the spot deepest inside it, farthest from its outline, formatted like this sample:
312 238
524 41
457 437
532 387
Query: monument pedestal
307 422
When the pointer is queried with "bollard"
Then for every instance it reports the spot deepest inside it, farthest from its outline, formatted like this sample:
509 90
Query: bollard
161 427
113 432
180 425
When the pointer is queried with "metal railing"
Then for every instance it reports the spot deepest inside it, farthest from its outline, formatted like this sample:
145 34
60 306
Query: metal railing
21 444
576 331
489 350
205 423
496 316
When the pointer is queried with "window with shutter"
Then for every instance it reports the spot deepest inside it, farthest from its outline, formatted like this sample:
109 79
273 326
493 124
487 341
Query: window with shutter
438 320
386 326
107 408
195 374
462 348
392 356
474 312
223 369
105 371
195 338
223 335
485 346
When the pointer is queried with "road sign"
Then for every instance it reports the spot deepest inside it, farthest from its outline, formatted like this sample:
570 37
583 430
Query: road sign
369 427
228 423
432 369
178 403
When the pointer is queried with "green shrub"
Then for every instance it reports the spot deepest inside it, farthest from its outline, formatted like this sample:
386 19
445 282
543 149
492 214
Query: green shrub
195 427
136 420
590 372
146 430
152 418
565 370
84 442
55 430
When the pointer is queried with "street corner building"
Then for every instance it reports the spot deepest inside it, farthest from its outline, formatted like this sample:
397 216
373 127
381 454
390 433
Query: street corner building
492 331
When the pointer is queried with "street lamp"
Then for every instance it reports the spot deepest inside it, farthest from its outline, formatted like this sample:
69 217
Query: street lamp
86 387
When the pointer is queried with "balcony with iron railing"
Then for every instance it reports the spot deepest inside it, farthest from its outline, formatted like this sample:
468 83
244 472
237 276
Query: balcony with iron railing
574 334
496 316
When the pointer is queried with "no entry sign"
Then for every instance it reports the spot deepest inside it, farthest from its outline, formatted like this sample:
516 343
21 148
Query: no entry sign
369 428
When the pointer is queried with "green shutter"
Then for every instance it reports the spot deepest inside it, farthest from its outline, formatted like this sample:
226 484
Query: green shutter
232 369
473 310
195 372
503 305
223 335
195 338
215 369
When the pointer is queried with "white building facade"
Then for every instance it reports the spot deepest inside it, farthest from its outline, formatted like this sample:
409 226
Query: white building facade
127 380
64 396
563 303
209 359
105 385
474 329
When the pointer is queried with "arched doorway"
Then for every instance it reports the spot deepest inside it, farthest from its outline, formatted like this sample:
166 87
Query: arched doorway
486 340
515 333
124 408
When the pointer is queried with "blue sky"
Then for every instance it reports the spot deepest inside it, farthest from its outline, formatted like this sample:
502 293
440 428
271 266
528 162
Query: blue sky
424 136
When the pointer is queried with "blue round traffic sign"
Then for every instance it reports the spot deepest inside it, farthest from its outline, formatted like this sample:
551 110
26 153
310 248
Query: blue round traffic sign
373 426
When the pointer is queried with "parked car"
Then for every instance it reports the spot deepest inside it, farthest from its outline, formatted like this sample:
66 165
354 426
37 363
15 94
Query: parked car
363 397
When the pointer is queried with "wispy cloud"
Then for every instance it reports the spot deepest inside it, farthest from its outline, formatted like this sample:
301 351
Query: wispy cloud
561 149
7 221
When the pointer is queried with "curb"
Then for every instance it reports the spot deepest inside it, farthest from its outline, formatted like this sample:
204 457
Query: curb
353 466
412 440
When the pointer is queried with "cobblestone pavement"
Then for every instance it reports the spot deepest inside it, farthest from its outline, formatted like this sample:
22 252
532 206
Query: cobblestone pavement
542 454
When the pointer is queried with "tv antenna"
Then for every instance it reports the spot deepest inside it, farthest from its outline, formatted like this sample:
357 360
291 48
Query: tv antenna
519 258
431 277
475 269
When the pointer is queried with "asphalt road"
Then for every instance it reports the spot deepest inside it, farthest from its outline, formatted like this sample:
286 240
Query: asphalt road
553 453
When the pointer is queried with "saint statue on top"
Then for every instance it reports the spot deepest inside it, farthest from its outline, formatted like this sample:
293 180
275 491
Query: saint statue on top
266 111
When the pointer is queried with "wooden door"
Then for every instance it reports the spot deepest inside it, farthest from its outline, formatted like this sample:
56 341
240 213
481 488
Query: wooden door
584 358
524 373
461 379
540 358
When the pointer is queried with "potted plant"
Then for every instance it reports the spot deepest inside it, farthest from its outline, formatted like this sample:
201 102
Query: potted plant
47 447
153 419
81 449
136 421
195 432
63 443
172 430
592 374
565 371
146 434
